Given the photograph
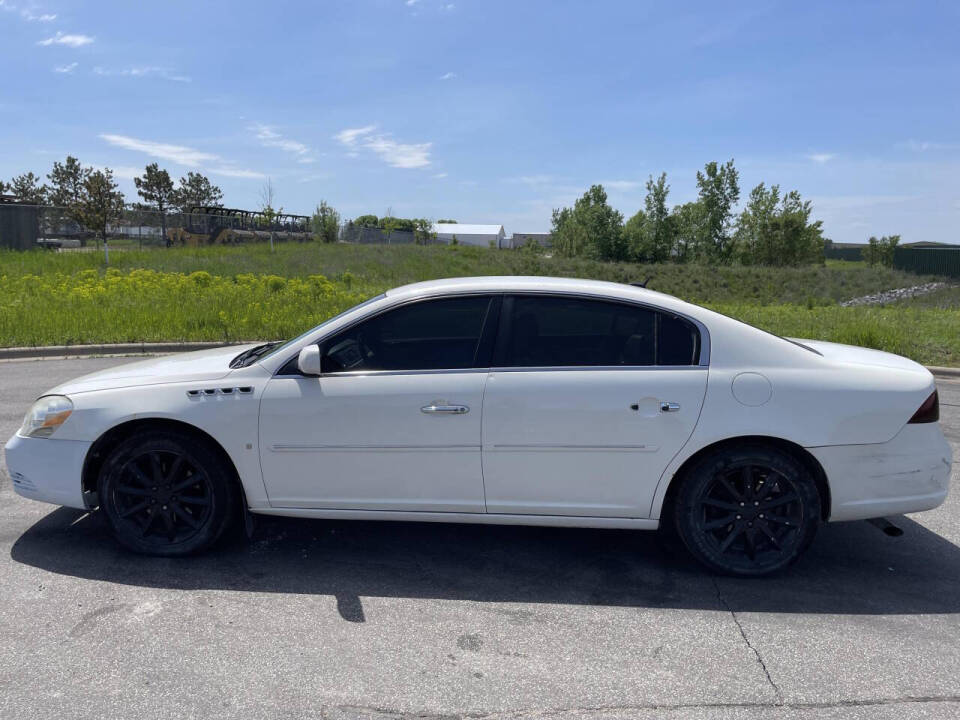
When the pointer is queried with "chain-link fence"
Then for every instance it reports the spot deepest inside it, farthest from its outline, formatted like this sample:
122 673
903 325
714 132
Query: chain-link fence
27 226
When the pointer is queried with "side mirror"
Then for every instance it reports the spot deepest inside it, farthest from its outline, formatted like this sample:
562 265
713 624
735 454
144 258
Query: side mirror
308 361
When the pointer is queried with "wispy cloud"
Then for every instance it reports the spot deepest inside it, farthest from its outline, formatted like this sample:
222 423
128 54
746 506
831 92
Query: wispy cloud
411 3
448 7
440 176
27 13
533 180
67 69
821 158
448 76
144 71
72 40
395 154
269 137
924 145
621 185
181 155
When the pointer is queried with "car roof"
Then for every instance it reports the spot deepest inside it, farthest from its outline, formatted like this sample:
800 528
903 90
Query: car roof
520 283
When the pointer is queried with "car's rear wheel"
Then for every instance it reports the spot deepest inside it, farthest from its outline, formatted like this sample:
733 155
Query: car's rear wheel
166 493
747 511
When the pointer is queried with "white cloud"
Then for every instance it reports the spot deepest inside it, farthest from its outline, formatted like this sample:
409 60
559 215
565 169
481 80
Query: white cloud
144 71
269 137
411 3
350 136
173 153
30 17
73 41
448 7
235 172
821 158
395 154
440 176
448 76
621 185
533 180
400 155
66 68
924 145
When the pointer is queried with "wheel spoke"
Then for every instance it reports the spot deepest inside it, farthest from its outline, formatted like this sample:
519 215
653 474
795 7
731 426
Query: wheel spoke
786 520
130 490
746 475
183 485
782 500
750 542
765 529
134 509
728 541
185 516
719 523
138 473
730 489
174 469
193 500
156 468
168 523
150 519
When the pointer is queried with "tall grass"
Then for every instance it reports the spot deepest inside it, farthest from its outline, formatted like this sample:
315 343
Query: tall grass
250 293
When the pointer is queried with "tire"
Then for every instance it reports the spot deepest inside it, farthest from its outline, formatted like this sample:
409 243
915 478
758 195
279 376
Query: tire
747 511
166 493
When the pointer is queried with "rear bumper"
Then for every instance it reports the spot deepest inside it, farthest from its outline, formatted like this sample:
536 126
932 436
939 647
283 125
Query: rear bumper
907 474
47 469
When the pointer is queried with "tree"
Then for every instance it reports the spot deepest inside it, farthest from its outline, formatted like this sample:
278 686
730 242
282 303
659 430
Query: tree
325 223
367 221
689 221
775 230
156 189
719 191
591 228
423 231
26 188
196 190
67 189
649 234
882 251
446 222
102 202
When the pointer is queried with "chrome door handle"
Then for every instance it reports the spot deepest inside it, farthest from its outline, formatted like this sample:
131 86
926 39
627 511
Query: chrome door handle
669 407
445 409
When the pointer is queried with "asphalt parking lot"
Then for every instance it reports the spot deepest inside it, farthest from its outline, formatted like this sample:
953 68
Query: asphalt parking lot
379 620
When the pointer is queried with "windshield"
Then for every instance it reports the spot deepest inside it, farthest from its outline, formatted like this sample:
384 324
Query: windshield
301 336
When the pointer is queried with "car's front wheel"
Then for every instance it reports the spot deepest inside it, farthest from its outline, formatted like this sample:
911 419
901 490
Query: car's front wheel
166 493
747 511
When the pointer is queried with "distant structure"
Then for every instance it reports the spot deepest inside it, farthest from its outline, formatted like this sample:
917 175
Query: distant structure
467 234
518 240
19 223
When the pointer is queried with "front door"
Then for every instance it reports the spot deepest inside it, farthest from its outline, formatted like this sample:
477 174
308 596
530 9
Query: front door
587 403
394 421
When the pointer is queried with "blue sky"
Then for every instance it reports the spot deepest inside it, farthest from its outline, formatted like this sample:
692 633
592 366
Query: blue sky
489 111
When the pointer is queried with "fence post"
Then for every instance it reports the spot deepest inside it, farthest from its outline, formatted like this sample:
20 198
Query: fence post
106 250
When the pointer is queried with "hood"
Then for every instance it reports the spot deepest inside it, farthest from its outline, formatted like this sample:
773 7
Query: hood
853 355
200 365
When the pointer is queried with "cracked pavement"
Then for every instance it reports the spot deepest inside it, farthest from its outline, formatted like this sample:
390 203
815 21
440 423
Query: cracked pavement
384 620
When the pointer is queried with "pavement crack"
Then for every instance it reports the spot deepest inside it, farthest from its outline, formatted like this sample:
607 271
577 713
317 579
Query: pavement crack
743 633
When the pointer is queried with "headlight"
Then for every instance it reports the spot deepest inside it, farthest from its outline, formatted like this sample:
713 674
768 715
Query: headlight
47 414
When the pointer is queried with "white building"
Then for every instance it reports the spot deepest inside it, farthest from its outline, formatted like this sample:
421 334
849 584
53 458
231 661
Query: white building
467 234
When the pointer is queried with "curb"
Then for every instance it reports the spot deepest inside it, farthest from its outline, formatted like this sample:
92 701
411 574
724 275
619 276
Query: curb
49 351
59 351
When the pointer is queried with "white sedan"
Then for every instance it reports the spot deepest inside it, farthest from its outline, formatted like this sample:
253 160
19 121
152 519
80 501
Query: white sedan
536 401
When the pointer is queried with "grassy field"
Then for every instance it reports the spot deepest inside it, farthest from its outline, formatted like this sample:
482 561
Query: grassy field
249 292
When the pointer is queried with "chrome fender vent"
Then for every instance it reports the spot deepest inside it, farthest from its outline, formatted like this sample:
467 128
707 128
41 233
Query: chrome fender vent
206 392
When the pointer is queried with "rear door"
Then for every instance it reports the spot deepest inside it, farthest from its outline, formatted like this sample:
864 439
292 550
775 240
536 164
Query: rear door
586 404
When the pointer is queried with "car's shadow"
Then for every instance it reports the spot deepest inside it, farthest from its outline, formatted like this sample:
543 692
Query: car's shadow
851 568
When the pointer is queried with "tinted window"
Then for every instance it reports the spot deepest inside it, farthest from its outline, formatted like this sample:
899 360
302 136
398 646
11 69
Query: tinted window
545 331
430 335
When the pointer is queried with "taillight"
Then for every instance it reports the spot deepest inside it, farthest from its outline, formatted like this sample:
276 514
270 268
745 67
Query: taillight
928 412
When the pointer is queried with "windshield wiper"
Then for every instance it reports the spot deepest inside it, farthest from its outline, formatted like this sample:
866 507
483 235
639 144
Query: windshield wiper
248 356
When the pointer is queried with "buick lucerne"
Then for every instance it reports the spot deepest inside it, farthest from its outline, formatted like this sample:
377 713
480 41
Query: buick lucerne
538 401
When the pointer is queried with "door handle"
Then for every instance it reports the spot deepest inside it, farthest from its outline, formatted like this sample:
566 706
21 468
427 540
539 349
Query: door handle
669 407
445 409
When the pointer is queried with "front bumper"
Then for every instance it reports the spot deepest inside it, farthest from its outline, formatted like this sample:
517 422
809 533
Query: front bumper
47 469
907 474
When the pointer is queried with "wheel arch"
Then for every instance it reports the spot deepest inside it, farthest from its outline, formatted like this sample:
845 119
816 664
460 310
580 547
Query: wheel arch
103 445
798 452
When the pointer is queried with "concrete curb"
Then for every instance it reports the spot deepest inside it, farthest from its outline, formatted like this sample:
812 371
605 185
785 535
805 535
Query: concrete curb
51 351
48 351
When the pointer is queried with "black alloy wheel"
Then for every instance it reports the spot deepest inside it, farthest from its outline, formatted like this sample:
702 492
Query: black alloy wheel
166 494
747 511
